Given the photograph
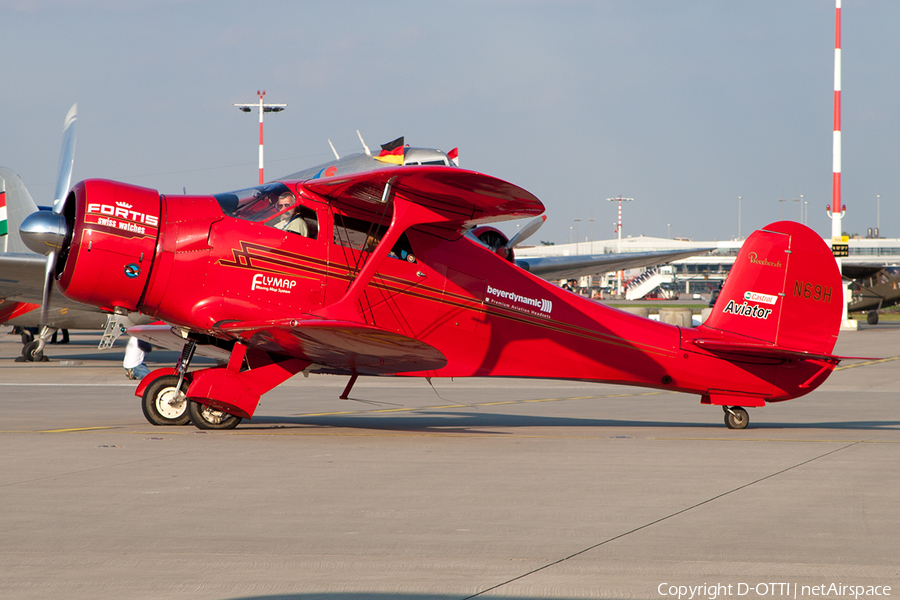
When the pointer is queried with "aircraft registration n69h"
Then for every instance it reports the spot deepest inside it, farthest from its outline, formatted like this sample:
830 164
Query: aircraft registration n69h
372 273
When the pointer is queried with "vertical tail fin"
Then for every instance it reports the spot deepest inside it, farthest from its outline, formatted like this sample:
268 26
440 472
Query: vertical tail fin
19 205
784 289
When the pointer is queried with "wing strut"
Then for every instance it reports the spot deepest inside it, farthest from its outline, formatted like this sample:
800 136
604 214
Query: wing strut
347 389
406 214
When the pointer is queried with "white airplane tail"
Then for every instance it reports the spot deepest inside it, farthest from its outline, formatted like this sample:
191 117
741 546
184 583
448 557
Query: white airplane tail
18 205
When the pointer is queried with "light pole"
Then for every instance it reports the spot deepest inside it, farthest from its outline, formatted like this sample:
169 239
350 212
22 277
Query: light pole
620 200
878 213
263 108
592 219
577 221
669 231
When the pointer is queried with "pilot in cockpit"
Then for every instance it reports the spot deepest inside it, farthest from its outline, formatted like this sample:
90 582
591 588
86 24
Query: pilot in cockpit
290 220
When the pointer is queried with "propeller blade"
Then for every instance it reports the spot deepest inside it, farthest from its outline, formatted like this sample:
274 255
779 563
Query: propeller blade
527 231
66 160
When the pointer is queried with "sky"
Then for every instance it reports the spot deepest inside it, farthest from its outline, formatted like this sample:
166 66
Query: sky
684 106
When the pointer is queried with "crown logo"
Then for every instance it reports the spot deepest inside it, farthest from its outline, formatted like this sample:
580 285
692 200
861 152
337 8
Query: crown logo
123 205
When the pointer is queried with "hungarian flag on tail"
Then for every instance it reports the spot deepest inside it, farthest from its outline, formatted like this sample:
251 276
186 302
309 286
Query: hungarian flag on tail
392 152
4 228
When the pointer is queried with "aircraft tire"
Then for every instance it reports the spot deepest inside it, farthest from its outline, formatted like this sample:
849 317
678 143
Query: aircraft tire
872 317
737 418
27 336
206 417
155 402
31 353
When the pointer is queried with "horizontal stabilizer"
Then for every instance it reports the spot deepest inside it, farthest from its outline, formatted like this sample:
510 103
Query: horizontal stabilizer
763 351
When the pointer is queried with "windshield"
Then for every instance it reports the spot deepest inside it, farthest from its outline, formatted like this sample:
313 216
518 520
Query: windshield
253 204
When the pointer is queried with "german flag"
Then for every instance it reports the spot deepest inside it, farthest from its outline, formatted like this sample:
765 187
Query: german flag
392 152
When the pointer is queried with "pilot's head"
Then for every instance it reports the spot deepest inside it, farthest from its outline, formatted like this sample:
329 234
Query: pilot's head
285 200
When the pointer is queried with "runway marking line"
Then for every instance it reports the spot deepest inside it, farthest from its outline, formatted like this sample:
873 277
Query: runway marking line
73 429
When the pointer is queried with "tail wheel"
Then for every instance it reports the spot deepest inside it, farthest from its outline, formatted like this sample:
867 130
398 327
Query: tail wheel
163 405
207 417
736 418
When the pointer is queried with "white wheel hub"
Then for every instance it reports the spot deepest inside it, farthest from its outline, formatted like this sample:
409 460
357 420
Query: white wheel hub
170 404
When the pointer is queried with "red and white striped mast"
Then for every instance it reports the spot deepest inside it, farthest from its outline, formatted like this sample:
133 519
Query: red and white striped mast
620 200
837 210
263 108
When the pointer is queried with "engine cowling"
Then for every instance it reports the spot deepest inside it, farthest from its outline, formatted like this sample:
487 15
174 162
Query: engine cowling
113 231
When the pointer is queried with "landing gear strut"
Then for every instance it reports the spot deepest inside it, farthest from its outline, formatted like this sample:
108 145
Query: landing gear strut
736 417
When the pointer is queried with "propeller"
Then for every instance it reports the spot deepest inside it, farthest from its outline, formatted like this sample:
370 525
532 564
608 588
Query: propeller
497 242
527 231
44 232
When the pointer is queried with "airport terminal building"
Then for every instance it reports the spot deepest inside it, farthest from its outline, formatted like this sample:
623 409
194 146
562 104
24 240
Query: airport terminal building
696 275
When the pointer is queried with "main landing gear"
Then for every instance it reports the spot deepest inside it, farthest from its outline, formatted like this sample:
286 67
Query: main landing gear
164 404
736 417
207 417
163 401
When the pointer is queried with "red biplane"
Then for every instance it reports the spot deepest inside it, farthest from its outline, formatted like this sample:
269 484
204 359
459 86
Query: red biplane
371 273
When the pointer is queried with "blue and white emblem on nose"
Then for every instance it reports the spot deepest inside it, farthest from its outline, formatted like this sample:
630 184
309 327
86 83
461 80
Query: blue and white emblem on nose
132 270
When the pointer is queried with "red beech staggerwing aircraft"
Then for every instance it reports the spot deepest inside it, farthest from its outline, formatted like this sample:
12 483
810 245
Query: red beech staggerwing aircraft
371 273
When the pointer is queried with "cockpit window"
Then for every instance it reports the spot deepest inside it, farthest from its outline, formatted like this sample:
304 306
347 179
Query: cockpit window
273 203
253 204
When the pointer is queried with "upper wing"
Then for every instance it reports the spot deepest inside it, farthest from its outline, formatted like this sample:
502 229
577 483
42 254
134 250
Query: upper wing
466 198
572 267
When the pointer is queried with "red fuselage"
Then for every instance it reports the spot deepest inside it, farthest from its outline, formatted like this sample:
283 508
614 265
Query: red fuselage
203 269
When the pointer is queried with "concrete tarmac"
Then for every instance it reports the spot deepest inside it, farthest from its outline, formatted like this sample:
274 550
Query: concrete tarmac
472 488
